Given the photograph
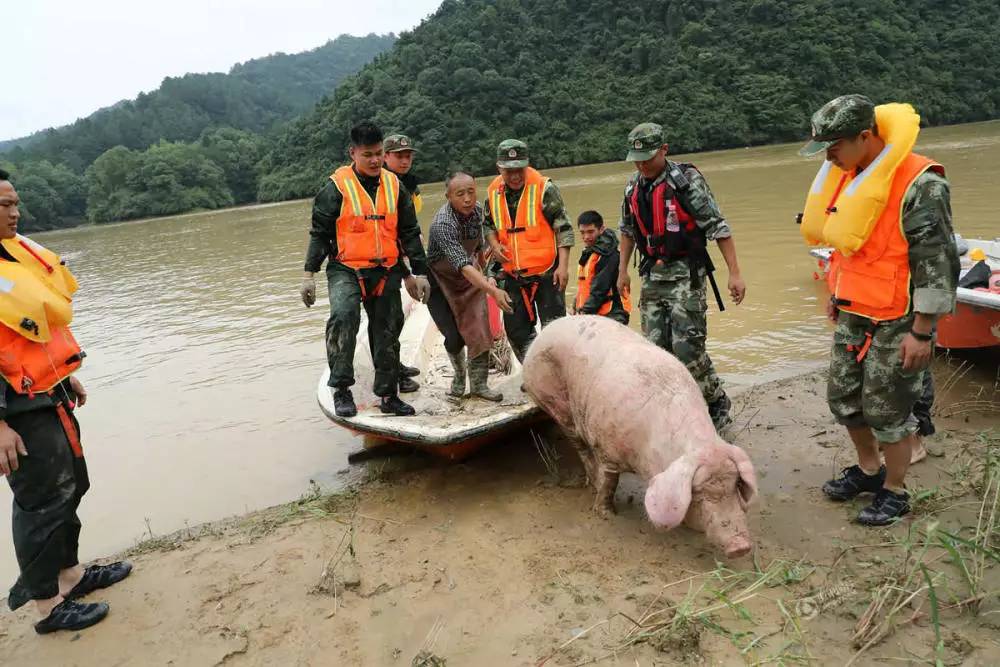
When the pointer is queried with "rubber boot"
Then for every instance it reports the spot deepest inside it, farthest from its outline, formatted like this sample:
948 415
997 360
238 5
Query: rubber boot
458 382
479 372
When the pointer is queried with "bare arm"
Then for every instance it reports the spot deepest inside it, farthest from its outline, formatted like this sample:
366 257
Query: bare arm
737 288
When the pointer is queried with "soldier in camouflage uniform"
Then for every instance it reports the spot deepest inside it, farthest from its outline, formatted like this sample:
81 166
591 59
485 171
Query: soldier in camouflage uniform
541 296
675 266
874 396
399 150
350 290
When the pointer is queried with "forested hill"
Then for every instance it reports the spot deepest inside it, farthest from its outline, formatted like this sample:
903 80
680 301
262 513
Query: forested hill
572 78
208 131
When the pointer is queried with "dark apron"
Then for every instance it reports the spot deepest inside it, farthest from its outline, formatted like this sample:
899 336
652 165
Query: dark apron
467 302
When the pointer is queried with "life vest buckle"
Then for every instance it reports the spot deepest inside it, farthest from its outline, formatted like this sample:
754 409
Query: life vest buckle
29 324
375 217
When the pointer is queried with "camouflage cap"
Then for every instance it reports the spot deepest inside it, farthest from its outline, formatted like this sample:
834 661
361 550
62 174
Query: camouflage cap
846 116
512 154
395 143
644 141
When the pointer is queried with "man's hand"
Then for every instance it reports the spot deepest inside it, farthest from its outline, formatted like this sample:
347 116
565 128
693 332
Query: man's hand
423 287
915 354
10 446
410 283
308 291
737 288
561 277
498 253
624 283
501 297
77 387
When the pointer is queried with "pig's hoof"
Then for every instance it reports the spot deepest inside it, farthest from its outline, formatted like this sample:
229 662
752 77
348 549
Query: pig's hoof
605 510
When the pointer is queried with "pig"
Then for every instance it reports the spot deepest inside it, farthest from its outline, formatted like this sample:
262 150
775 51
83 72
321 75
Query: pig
630 406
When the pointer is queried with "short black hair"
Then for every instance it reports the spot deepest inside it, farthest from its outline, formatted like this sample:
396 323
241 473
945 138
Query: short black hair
455 172
4 175
366 133
590 218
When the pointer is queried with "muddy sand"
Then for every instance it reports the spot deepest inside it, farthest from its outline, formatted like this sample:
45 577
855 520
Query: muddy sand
498 561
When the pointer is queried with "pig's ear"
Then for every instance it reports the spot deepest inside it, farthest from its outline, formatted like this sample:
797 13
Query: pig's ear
669 493
747 484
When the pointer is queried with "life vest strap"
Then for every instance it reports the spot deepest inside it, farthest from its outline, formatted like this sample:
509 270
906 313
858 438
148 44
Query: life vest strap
48 267
71 433
529 299
377 292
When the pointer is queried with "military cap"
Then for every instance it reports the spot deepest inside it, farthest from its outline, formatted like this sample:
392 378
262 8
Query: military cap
512 154
845 116
395 143
643 141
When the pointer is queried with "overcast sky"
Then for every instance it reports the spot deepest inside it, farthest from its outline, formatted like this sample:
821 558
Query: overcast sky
66 59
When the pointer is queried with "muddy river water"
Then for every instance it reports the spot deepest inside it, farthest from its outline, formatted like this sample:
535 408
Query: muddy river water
203 362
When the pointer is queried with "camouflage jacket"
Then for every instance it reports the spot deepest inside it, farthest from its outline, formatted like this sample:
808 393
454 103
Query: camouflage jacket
323 234
934 263
553 208
698 202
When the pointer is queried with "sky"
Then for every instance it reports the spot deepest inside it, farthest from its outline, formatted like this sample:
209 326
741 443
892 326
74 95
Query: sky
66 59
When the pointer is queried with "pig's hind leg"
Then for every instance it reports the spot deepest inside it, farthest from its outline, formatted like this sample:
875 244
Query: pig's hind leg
606 484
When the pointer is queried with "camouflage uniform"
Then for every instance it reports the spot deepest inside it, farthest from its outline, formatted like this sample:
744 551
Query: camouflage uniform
345 289
877 392
673 311
549 303
401 271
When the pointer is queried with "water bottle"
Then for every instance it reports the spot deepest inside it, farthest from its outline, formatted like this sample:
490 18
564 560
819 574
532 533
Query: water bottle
673 224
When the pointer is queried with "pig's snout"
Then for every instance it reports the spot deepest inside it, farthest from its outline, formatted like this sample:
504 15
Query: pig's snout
738 547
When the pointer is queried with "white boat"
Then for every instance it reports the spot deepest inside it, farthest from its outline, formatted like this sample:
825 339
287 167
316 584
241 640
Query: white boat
441 426
976 320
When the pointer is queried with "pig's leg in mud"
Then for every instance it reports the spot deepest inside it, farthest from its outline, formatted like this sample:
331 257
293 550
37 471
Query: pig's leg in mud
587 457
607 484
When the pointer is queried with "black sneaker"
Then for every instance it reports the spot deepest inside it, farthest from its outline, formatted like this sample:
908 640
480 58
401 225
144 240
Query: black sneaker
888 507
99 576
70 615
719 412
391 405
343 403
407 385
408 371
854 481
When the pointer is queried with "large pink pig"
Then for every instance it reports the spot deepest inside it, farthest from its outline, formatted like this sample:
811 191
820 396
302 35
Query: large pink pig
633 407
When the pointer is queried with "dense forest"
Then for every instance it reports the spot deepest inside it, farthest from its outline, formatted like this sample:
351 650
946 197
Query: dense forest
177 138
570 78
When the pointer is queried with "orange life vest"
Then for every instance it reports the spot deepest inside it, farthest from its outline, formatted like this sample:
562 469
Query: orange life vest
367 230
874 282
584 279
35 355
529 239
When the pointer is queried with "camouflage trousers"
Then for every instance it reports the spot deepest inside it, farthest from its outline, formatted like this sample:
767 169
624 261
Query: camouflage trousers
534 298
876 391
396 320
674 316
342 331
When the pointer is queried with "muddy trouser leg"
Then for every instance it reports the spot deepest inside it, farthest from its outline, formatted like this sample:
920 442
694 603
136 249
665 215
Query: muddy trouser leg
922 408
549 301
47 486
385 352
393 284
342 327
520 324
443 318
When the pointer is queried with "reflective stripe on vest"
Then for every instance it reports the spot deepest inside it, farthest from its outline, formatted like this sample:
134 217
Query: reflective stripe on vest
367 230
529 239
874 282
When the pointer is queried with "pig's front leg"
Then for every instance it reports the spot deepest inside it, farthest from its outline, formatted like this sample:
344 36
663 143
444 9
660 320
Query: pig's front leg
589 463
607 484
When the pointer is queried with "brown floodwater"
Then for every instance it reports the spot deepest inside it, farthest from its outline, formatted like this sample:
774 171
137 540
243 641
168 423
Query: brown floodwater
203 362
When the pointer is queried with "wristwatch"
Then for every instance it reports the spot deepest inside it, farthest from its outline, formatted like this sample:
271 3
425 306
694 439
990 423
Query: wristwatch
924 337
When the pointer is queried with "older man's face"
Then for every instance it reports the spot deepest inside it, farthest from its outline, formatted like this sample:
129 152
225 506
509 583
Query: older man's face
462 194
10 214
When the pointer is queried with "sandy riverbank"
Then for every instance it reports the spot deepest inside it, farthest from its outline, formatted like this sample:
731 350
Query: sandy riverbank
497 561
